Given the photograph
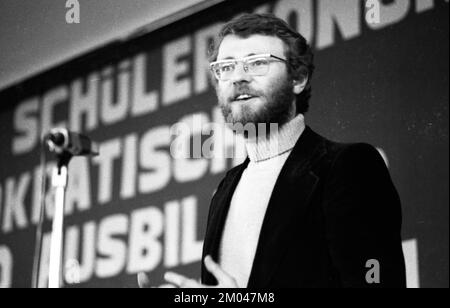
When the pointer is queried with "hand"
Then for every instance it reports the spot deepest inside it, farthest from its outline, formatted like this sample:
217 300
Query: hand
224 279
144 282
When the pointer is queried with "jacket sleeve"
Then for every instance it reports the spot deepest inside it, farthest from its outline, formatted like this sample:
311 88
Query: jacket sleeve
363 220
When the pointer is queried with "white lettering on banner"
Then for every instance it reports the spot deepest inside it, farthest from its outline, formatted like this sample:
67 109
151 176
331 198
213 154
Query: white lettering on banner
203 40
78 195
107 252
27 125
52 98
84 103
134 164
221 144
142 241
14 208
78 187
145 250
176 82
182 63
172 234
110 152
346 14
129 167
85 259
187 170
115 107
303 10
157 161
143 102
6 267
391 13
112 250
191 248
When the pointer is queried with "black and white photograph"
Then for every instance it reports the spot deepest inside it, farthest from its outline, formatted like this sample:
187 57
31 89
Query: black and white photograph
222 144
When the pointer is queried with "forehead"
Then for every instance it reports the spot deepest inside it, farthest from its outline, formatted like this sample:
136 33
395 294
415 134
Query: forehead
235 47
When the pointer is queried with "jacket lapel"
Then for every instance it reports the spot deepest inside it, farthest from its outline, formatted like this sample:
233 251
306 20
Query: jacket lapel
289 200
219 210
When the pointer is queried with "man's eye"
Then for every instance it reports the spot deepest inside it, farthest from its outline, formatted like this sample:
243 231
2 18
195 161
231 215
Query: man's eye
227 68
258 62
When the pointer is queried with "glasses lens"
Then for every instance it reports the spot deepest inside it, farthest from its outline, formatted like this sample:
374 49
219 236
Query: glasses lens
258 66
223 70
254 66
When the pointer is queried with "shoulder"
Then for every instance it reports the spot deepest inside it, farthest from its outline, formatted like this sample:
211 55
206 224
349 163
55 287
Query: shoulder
356 166
323 153
352 153
349 158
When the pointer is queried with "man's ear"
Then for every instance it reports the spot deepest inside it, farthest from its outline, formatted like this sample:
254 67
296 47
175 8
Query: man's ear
299 85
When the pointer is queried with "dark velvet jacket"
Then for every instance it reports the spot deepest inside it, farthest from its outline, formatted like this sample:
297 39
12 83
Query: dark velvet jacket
333 208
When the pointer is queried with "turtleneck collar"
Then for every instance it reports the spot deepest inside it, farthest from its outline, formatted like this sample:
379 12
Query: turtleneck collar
278 143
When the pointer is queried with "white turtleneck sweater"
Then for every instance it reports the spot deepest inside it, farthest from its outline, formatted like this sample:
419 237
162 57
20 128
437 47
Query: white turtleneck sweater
251 198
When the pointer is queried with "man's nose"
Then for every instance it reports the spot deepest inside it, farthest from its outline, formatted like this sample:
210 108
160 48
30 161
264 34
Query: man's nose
240 74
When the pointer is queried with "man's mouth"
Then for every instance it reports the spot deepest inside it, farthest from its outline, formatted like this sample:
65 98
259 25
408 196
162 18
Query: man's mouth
243 97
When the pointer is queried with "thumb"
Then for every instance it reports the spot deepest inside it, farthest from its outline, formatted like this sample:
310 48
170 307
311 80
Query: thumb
143 280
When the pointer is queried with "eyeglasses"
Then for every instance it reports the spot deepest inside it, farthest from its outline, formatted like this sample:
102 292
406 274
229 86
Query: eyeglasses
257 65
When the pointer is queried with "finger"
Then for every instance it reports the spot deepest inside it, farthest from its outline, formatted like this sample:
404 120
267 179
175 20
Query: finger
143 280
214 268
180 280
175 278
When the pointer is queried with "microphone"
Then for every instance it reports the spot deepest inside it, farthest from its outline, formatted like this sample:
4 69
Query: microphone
61 140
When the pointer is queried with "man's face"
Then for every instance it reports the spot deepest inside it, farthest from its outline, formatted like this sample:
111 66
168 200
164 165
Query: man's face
272 95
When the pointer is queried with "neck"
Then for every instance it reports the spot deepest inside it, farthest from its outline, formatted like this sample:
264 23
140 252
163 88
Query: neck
277 141
268 131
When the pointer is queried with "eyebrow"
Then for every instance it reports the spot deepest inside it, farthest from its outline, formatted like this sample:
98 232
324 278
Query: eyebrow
248 55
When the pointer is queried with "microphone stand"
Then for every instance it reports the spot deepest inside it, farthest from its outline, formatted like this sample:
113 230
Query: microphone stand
65 144
59 183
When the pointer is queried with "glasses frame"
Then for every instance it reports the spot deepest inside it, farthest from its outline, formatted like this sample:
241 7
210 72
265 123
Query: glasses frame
243 60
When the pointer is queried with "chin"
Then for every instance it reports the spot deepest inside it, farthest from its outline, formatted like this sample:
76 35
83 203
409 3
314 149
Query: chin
246 113
245 119
235 113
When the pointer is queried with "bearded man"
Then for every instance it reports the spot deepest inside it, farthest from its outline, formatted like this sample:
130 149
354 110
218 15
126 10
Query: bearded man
301 211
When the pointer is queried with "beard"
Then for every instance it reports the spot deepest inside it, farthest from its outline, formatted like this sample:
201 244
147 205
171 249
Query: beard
277 106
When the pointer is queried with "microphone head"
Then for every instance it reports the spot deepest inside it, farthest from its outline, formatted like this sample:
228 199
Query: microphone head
58 139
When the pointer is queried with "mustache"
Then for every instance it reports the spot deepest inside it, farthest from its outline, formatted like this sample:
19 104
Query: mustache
243 90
